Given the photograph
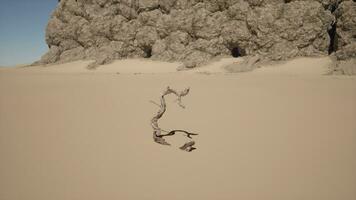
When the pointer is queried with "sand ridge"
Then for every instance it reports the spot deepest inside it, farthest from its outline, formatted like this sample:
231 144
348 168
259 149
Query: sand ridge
296 66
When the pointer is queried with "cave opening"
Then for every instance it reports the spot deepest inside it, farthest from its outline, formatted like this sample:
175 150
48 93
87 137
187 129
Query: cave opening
333 7
148 52
237 52
333 39
333 30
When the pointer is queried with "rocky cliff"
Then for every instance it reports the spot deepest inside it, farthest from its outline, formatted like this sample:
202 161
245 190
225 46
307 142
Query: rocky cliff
195 31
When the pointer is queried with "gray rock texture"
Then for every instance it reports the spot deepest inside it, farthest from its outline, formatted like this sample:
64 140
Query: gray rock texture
345 38
346 28
195 31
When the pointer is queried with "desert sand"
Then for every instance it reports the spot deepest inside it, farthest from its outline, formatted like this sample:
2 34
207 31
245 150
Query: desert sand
282 132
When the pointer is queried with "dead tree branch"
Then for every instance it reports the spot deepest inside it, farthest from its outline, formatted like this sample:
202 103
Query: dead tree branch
158 137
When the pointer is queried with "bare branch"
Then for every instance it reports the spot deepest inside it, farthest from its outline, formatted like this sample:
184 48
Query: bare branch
155 103
157 131
188 146
173 132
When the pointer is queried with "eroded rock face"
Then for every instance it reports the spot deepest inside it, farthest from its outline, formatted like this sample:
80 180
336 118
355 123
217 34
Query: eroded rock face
346 30
194 31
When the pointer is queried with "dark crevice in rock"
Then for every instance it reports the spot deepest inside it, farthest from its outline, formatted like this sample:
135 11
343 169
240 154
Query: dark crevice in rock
163 10
333 7
333 31
79 42
237 52
333 39
148 52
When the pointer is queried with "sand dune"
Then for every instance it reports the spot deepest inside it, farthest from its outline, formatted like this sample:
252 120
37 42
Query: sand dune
298 66
282 132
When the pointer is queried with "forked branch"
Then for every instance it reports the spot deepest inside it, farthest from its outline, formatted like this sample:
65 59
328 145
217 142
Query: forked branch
157 131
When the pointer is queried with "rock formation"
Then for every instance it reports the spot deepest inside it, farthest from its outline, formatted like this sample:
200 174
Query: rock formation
194 31
345 38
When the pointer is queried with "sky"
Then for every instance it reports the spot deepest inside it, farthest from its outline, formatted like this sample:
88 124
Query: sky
22 30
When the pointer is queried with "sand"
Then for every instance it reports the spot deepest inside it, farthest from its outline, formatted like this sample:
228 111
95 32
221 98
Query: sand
282 132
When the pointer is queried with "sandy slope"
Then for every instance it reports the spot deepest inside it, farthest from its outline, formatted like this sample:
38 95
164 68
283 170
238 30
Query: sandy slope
297 66
279 133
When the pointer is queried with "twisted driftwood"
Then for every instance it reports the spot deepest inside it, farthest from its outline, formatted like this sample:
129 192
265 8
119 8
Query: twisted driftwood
157 131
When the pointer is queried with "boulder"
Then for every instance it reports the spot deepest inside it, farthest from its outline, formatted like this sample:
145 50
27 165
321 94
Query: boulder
195 31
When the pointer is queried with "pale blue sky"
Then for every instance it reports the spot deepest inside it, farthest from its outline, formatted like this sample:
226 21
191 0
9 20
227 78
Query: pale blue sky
22 30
